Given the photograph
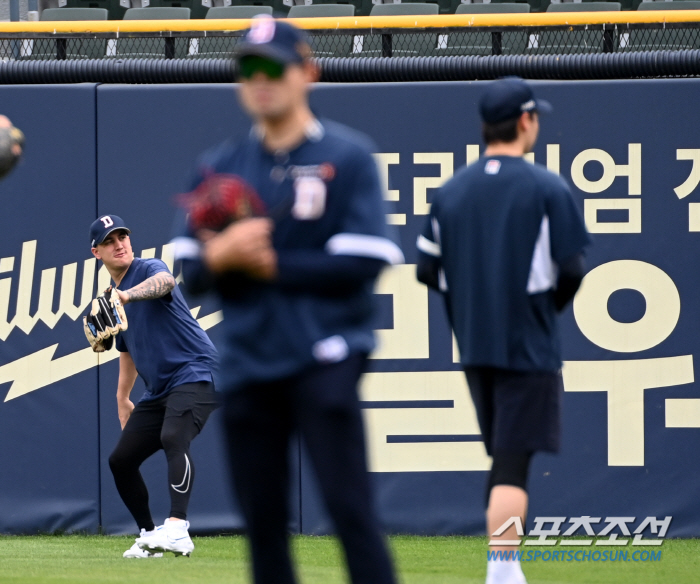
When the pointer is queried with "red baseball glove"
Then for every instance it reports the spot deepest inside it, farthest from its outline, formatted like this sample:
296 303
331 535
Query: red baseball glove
220 200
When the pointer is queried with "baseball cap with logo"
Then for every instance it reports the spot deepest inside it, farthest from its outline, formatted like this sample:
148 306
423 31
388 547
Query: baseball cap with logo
275 40
509 98
103 226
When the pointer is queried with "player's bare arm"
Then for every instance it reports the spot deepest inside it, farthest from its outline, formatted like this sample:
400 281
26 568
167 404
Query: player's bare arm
127 378
154 287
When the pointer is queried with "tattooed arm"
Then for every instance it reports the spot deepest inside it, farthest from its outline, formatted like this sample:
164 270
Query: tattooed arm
154 287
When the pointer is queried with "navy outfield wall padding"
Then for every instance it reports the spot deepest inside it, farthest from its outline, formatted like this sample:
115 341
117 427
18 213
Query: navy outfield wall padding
600 471
49 436
631 414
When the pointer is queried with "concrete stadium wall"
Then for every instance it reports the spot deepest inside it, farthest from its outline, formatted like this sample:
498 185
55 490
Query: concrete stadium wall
632 408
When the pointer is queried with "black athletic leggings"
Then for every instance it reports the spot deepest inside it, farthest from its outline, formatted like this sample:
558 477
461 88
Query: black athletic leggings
169 423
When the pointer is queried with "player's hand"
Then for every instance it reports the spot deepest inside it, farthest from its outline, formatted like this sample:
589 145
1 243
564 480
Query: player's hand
124 409
123 296
265 267
245 245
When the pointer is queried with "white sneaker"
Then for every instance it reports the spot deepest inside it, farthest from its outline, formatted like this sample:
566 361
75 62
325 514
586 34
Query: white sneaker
172 536
136 552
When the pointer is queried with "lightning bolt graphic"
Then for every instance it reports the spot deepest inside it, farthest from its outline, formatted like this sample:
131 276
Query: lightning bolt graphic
41 369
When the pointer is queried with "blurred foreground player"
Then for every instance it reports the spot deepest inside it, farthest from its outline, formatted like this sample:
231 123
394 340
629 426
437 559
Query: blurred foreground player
166 346
504 244
296 288
11 145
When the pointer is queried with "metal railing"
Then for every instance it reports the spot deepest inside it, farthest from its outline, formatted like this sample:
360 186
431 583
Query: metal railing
417 36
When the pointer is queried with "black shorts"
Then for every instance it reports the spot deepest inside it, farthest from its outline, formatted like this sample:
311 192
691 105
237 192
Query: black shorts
517 411
199 398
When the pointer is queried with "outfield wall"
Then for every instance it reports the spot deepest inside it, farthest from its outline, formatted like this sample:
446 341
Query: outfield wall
631 411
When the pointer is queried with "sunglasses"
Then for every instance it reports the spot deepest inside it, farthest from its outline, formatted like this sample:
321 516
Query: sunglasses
252 64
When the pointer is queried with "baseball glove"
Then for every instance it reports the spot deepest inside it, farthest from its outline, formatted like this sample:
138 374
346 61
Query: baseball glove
220 200
11 144
105 320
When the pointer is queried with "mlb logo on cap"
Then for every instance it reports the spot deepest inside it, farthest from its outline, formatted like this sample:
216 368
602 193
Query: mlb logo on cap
275 40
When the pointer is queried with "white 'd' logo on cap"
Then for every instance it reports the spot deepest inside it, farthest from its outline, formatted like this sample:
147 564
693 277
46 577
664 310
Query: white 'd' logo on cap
527 106
262 29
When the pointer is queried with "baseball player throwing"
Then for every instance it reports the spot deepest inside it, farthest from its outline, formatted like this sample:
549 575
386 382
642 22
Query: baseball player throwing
159 340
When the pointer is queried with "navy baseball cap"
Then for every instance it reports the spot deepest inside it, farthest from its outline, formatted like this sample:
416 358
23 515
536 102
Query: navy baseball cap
103 226
275 40
509 98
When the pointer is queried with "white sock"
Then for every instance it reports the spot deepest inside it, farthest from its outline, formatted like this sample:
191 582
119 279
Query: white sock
504 572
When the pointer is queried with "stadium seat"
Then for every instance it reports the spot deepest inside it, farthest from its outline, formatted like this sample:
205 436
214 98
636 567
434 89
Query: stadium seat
407 9
444 6
327 45
236 12
67 14
454 7
197 10
153 48
577 41
493 8
585 7
321 10
222 46
404 45
474 42
278 6
624 5
362 7
539 5
157 13
115 12
66 48
675 5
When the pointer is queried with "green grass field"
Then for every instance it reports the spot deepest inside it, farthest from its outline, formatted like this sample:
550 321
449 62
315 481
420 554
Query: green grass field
420 560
